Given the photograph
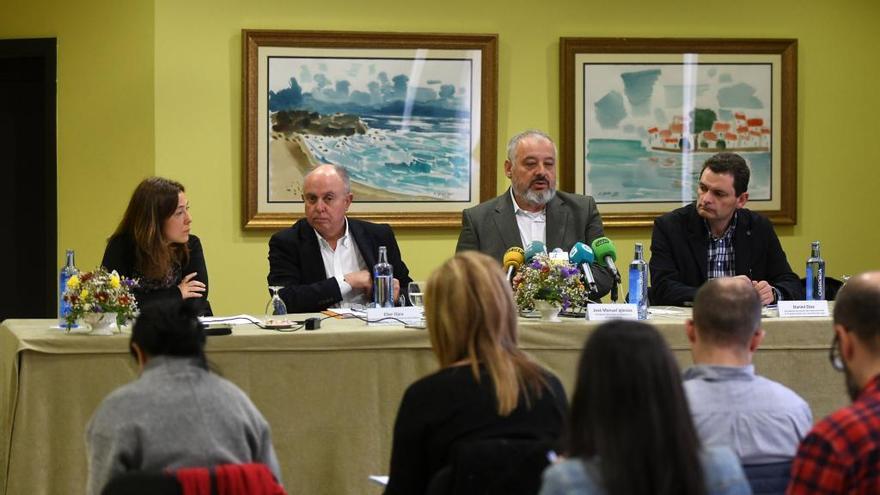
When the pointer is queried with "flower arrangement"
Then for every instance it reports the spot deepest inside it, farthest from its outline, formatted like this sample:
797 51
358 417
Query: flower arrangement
555 281
100 291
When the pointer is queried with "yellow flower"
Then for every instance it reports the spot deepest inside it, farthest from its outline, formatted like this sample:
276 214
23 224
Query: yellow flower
72 282
114 281
84 294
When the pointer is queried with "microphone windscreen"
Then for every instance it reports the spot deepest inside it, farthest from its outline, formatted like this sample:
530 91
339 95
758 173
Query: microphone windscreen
581 253
514 257
603 247
535 248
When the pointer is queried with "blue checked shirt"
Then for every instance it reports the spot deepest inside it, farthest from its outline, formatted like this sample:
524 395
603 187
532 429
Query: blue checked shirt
722 259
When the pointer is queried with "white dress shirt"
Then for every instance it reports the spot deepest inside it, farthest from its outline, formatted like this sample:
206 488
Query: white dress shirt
532 226
346 258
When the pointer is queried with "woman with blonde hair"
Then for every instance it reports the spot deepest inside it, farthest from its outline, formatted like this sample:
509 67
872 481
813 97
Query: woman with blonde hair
486 387
153 244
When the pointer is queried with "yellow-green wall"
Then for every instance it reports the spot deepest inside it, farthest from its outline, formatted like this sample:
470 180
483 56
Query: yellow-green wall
155 87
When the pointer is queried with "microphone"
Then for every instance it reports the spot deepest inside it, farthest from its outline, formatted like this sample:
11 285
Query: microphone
513 259
607 255
535 248
582 255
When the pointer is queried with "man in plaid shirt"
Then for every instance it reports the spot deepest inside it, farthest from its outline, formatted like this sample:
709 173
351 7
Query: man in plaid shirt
842 452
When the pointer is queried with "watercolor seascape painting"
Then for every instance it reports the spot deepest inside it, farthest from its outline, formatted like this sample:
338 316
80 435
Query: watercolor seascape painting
402 127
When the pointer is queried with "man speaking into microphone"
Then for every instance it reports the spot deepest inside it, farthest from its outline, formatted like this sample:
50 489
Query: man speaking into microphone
532 209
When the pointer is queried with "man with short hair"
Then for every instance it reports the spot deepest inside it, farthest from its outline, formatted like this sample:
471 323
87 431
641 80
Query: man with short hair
761 420
325 259
842 452
716 236
532 209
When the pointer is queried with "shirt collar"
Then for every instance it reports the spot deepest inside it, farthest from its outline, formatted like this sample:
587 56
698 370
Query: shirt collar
342 240
711 373
871 387
168 362
731 227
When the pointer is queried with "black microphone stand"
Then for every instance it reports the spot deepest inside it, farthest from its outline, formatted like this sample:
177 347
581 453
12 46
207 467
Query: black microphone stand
615 280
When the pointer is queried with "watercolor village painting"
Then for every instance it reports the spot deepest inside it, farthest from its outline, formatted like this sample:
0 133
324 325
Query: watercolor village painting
402 127
648 128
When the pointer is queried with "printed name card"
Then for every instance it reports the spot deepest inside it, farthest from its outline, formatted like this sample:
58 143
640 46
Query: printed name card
803 309
405 315
601 312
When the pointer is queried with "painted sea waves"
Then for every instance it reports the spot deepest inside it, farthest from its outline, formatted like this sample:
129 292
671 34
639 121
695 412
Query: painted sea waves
423 157
402 128
650 127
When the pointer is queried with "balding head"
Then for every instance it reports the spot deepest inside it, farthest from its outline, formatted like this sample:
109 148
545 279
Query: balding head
330 169
857 308
727 312
327 196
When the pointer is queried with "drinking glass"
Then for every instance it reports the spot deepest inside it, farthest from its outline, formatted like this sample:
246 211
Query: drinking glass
416 293
276 306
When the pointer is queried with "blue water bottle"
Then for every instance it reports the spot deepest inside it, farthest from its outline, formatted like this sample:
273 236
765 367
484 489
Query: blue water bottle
638 282
67 271
383 281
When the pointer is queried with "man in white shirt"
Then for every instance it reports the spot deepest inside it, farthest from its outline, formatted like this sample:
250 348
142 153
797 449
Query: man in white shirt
532 209
326 258
761 420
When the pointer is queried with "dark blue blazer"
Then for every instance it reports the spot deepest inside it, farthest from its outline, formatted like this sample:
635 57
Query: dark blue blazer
295 262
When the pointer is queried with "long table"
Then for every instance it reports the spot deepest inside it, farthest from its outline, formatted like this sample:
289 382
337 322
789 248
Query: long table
330 395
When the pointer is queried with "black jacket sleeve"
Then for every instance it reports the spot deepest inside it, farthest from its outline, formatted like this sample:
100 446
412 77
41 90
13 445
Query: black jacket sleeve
778 271
286 266
198 266
667 288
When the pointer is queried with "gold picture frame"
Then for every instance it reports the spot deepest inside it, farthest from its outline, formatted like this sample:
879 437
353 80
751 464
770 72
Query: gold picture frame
412 117
640 115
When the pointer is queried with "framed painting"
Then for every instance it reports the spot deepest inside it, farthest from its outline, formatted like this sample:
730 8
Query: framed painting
411 117
640 116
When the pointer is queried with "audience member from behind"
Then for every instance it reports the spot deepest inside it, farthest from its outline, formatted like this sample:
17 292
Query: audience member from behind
630 430
153 244
176 414
842 452
486 388
761 420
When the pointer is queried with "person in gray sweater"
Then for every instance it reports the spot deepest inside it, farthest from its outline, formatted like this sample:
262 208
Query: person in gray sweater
177 414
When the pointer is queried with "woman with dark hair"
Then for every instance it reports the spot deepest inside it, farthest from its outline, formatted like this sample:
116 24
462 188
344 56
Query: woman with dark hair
486 388
630 430
177 414
153 244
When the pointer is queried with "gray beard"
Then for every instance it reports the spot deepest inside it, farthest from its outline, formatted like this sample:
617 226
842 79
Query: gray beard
539 198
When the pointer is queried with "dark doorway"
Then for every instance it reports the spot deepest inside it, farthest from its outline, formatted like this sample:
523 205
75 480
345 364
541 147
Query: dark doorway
28 214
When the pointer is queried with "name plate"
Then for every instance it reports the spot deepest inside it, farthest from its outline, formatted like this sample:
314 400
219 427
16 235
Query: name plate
601 312
803 309
404 315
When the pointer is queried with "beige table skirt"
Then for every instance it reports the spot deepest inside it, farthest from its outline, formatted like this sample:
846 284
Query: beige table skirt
330 395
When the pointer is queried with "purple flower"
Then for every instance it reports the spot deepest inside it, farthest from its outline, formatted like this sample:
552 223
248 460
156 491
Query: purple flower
568 271
536 264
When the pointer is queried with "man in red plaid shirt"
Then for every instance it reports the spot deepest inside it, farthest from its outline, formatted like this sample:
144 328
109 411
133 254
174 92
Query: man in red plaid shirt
842 452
